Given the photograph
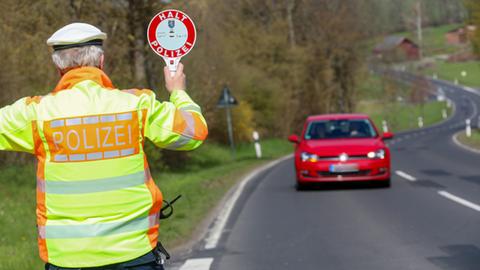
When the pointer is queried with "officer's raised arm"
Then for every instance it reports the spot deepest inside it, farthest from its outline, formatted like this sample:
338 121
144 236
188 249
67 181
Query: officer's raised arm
178 124
16 126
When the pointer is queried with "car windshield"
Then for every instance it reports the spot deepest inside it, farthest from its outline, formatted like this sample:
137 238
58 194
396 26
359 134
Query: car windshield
340 129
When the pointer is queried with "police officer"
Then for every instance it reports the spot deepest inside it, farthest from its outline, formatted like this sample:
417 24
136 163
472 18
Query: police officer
97 204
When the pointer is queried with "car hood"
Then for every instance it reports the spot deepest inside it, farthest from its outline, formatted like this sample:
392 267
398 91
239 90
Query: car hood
337 147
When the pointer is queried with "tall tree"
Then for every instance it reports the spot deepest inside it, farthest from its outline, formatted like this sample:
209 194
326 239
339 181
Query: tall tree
473 7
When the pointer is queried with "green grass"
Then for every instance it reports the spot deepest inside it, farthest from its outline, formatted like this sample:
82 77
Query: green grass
473 141
452 71
400 116
17 219
201 186
370 88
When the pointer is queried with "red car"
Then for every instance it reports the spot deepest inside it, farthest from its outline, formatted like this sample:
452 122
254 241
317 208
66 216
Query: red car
341 147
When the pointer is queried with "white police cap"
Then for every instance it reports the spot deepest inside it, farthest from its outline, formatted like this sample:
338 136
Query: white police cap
76 35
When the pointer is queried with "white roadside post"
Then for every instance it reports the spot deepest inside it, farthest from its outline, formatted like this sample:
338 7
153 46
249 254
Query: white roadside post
455 81
440 94
444 114
384 126
449 103
420 122
258 147
435 76
468 128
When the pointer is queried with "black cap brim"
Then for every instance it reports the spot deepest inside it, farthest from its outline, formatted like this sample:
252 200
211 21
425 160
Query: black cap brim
95 42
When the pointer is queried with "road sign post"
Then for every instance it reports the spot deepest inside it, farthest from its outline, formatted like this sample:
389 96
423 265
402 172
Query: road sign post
171 34
230 130
227 101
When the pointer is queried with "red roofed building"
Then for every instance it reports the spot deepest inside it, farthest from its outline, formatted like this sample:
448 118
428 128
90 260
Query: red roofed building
397 48
460 35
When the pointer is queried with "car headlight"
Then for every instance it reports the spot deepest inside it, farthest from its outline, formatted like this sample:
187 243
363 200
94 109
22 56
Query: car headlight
379 154
309 157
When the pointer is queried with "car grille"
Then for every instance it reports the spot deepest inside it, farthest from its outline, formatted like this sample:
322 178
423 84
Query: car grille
337 158
330 174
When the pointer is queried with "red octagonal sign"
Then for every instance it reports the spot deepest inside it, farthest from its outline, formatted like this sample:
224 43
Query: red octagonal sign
171 34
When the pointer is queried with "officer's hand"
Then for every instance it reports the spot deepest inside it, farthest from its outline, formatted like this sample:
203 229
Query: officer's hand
176 82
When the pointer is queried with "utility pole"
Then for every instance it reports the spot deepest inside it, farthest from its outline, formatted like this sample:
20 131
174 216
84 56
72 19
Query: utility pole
418 10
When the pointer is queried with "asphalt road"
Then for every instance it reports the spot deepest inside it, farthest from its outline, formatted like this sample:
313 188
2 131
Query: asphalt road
428 219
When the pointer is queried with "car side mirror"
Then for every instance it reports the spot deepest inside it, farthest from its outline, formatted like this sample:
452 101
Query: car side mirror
387 136
294 138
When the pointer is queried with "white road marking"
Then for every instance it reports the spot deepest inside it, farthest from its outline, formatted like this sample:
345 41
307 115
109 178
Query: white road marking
197 264
459 200
216 231
406 176
471 90
475 110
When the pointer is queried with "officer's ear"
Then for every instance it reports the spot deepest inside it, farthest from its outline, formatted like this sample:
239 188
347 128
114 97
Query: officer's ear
60 72
102 61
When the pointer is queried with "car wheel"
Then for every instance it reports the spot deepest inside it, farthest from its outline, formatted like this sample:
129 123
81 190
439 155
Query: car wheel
386 183
300 186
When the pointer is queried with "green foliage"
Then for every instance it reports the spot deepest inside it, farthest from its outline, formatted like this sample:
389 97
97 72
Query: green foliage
282 59
395 16
209 155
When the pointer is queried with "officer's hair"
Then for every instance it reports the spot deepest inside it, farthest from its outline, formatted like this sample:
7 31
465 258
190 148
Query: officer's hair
78 57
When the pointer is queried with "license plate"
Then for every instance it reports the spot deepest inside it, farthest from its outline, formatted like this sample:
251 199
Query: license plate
342 168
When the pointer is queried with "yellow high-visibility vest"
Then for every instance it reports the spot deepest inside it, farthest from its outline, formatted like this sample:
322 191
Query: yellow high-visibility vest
97 203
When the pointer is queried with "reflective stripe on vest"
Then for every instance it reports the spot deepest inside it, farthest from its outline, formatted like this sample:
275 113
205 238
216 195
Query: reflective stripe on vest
95 230
186 127
191 108
89 186
182 141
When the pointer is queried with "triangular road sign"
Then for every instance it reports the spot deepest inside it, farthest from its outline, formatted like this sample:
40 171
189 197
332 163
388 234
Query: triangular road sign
226 99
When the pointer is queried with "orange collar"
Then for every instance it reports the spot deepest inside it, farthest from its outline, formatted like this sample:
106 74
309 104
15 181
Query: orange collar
74 76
